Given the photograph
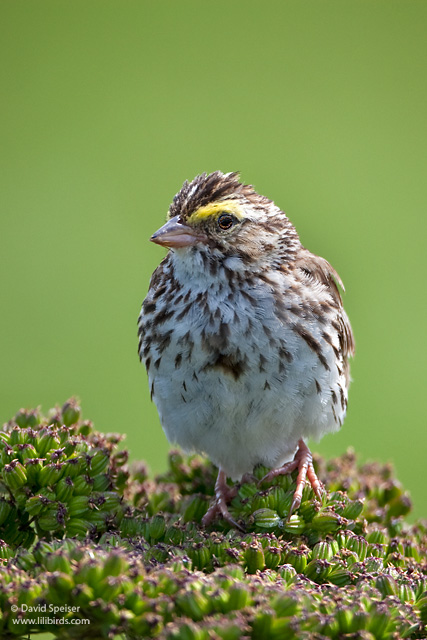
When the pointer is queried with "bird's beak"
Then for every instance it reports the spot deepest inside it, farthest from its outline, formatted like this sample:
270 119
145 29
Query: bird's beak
176 234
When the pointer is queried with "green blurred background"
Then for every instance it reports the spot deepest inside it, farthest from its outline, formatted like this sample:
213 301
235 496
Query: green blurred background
107 107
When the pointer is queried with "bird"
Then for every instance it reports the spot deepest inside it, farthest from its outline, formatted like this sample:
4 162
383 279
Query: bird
244 337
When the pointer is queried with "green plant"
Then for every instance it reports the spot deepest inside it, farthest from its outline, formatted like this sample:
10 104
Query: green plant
93 549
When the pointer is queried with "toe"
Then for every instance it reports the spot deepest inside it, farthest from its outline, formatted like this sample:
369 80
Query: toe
287 468
316 485
223 495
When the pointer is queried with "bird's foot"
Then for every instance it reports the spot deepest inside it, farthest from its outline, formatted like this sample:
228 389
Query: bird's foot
303 461
223 495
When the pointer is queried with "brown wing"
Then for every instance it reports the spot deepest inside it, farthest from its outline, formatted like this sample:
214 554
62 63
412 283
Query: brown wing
319 269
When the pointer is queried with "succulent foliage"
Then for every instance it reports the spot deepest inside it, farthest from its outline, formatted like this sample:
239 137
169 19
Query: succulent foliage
126 556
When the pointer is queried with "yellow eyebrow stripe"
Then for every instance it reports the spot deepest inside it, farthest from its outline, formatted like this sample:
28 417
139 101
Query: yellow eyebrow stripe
213 208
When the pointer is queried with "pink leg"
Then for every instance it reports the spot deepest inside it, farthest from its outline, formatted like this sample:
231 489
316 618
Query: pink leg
223 494
303 461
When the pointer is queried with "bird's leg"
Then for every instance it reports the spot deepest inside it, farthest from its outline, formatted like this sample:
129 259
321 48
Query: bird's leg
223 494
303 461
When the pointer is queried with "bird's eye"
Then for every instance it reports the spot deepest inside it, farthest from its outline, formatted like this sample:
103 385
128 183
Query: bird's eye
225 221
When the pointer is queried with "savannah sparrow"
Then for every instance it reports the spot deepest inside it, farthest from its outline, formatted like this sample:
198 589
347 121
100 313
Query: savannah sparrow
244 336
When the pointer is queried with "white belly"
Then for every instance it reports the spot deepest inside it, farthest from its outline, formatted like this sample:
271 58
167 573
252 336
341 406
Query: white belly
257 415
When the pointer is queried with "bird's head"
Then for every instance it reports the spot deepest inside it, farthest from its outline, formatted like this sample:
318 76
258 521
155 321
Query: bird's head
218 215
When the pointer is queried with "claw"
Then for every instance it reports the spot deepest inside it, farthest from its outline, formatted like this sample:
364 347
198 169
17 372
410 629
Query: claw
223 494
303 461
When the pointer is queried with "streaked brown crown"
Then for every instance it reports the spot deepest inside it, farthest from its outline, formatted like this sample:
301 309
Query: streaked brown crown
206 188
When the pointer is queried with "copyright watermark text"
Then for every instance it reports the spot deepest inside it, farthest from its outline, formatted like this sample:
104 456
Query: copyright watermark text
48 614
45 608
